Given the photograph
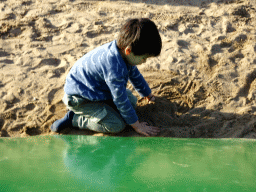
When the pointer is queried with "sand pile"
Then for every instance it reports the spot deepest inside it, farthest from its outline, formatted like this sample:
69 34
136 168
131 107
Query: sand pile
204 79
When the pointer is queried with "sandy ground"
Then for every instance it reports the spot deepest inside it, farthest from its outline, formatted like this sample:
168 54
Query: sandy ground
204 79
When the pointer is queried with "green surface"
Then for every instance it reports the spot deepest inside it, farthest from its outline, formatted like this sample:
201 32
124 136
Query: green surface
88 163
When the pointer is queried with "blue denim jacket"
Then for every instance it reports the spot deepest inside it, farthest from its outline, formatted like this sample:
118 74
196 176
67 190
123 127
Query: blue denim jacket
102 74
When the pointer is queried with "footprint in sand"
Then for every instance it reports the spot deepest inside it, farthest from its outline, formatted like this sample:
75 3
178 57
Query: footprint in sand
30 106
54 62
4 53
183 44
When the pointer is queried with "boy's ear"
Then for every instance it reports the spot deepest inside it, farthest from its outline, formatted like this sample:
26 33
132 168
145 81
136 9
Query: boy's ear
127 50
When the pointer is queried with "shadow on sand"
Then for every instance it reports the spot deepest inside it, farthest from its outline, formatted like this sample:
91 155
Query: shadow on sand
180 122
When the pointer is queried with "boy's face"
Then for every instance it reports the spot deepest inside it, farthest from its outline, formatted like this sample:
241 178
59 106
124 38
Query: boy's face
132 59
137 59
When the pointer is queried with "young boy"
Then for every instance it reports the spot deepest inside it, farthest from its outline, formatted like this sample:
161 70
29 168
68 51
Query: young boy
95 88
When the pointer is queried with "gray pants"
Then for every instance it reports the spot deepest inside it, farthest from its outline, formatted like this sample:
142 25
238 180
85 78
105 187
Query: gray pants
100 116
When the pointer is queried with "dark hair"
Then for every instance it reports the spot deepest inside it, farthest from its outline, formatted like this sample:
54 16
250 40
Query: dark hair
141 35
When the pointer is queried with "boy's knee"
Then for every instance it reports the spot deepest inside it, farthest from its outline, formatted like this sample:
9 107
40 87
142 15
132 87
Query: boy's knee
115 127
118 127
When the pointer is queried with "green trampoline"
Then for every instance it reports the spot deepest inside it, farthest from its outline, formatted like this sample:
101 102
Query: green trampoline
89 163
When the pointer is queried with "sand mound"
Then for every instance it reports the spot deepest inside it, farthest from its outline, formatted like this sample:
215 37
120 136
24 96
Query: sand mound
204 79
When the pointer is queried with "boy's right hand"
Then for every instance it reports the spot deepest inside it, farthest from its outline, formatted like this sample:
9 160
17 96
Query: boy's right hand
151 98
144 129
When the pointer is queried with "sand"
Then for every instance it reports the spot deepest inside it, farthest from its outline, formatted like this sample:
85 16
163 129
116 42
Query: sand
204 80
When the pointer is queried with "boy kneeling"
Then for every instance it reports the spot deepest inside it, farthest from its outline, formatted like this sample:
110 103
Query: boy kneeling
95 88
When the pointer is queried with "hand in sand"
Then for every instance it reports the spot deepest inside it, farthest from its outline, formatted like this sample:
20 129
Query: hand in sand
144 129
151 98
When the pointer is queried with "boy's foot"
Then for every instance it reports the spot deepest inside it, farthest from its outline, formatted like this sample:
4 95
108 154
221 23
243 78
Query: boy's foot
65 122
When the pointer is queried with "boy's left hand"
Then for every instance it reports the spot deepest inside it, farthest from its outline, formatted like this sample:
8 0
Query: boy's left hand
150 98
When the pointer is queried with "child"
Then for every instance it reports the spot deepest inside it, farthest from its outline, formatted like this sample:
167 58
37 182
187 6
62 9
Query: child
95 88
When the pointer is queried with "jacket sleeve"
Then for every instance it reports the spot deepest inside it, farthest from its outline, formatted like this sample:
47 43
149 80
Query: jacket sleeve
138 81
120 98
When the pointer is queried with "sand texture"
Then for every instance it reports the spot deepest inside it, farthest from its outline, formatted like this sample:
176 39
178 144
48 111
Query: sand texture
204 79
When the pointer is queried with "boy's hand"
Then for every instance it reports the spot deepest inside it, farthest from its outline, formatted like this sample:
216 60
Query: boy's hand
144 129
150 98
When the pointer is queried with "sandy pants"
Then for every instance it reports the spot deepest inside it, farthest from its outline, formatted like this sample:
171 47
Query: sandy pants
100 116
